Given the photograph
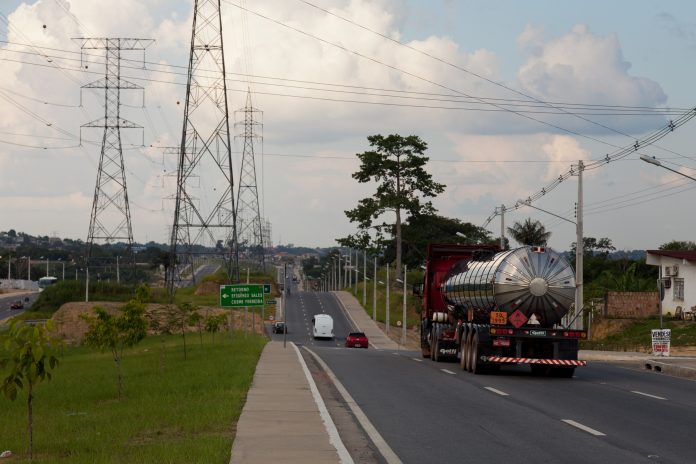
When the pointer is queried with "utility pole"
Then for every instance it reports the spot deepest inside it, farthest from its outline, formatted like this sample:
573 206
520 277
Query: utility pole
204 219
579 249
110 220
374 293
386 317
118 272
248 212
502 227
357 270
404 323
338 286
365 279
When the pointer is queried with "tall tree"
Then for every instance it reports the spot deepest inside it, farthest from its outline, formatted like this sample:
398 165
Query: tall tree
679 245
396 164
529 233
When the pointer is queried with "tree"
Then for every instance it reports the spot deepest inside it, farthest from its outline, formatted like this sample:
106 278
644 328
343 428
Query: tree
679 245
28 354
422 229
594 247
397 166
179 317
529 232
115 333
213 323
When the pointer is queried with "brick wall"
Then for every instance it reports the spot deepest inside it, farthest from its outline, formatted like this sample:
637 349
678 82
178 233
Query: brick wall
631 304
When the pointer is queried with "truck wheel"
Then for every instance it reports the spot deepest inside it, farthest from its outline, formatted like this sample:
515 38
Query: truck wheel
432 342
463 352
476 365
436 351
469 351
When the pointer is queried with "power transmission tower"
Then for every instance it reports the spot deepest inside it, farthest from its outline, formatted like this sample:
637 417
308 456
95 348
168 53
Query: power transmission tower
250 231
110 221
205 223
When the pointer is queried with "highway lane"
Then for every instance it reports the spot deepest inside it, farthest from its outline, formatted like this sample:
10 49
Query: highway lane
7 299
301 306
430 411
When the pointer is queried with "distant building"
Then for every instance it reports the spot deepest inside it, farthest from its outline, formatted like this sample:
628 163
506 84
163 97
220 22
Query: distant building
678 275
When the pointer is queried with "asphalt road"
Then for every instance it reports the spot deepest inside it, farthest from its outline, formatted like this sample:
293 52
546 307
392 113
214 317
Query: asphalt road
7 299
301 306
434 412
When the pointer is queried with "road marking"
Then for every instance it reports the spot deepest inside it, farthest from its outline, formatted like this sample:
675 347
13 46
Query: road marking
417 360
448 372
585 428
334 438
649 395
389 455
495 390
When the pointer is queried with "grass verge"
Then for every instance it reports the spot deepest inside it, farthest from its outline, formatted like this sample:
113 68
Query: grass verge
179 411
635 336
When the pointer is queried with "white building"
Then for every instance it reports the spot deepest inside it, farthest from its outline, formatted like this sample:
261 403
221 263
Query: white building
678 274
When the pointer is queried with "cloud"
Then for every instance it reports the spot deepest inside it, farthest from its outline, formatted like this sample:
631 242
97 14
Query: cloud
587 68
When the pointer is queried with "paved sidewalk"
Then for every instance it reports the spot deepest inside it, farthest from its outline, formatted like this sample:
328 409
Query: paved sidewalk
281 421
364 323
678 366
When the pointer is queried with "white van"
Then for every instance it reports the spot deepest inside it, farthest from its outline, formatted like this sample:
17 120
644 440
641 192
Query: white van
322 326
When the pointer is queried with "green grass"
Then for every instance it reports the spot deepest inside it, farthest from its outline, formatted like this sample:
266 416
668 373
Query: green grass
636 336
184 413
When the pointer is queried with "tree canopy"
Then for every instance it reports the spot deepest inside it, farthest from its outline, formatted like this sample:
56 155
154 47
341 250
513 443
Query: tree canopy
679 245
529 232
396 165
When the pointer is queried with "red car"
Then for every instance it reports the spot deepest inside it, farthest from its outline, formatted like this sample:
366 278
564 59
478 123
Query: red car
17 305
356 340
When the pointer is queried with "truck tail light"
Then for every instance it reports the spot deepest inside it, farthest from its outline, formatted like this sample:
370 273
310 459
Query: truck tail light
501 331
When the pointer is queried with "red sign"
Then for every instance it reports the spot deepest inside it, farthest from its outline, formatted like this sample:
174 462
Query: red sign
517 319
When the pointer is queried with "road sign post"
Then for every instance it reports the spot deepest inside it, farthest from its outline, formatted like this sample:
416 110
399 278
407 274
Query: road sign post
240 296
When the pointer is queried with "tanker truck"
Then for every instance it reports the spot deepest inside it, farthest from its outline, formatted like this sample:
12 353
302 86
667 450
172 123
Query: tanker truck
487 308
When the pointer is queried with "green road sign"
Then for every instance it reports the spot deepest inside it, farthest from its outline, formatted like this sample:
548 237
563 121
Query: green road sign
266 288
270 302
240 296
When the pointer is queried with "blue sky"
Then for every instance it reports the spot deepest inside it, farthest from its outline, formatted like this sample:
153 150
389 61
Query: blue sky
637 53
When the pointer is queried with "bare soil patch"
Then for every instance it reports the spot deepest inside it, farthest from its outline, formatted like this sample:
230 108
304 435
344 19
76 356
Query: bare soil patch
71 327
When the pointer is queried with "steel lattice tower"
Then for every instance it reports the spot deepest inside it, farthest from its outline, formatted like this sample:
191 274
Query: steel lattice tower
110 220
205 223
250 231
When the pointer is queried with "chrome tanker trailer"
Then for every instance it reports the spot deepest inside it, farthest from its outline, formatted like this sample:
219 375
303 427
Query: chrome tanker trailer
487 308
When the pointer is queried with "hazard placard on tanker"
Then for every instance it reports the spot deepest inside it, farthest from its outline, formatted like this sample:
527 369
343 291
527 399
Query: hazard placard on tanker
498 317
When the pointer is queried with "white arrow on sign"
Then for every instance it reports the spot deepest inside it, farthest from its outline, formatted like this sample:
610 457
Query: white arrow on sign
225 295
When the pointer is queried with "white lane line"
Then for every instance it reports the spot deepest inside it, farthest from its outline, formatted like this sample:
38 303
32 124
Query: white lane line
495 390
585 428
417 360
448 372
334 438
649 395
387 453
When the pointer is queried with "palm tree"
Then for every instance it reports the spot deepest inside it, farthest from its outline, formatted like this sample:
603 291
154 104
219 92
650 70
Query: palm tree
529 233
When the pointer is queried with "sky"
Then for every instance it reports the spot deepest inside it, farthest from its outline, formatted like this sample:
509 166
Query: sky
548 84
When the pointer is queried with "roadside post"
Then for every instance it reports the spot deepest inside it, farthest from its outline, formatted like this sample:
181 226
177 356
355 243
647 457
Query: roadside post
241 296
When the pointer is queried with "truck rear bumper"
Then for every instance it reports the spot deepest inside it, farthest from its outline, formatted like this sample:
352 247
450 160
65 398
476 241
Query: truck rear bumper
549 362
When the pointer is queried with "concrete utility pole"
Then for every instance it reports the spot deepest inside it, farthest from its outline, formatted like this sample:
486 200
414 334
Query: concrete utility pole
386 317
357 268
502 227
338 286
374 293
364 279
579 249
404 324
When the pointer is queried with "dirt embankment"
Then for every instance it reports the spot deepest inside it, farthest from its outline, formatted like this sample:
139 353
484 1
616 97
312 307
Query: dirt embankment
71 327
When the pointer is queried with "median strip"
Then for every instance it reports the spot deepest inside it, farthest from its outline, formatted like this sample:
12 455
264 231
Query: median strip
584 428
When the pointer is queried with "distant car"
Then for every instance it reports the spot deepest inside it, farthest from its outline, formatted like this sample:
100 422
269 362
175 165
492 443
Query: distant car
17 305
279 327
356 340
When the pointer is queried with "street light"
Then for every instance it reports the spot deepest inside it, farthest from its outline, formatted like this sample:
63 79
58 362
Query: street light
653 160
